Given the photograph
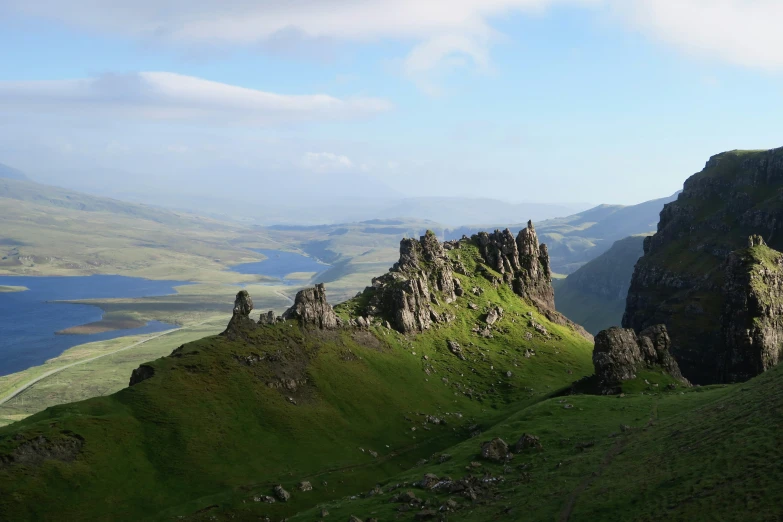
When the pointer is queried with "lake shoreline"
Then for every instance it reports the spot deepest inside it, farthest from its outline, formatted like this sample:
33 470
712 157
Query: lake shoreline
102 326
12 289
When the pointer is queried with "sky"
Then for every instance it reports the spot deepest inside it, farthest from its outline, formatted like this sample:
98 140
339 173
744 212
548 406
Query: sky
596 101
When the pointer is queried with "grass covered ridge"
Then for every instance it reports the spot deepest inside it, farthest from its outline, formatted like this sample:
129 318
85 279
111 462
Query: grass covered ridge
223 421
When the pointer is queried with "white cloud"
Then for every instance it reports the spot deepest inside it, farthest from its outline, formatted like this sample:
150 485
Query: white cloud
437 29
743 32
164 96
326 162
739 31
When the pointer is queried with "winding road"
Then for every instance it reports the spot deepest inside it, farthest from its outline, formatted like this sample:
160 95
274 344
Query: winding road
43 376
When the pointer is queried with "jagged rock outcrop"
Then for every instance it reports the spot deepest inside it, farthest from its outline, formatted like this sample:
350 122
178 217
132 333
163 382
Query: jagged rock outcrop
312 310
240 319
620 353
268 318
142 373
405 294
687 281
752 319
424 278
523 263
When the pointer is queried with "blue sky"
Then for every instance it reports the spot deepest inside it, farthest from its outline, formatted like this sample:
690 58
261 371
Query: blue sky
596 101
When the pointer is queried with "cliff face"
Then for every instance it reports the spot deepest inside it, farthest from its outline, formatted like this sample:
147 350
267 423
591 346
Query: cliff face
752 321
689 280
523 263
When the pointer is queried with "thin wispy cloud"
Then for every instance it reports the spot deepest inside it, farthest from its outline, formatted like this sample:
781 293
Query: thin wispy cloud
739 31
164 96
326 162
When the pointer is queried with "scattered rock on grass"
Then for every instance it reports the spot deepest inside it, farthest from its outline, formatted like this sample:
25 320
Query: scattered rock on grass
282 494
526 442
495 450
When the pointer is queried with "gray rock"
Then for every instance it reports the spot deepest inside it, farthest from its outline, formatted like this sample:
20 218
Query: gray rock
456 349
620 353
495 450
267 318
281 494
312 310
243 304
142 373
240 319
494 315
527 442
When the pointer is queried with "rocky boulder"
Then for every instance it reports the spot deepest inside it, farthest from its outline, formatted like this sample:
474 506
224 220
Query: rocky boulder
526 442
312 310
281 494
240 320
494 315
268 318
620 353
495 450
142 373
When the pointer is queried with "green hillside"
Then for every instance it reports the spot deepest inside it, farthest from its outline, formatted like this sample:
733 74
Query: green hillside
222 420
699 454
594 296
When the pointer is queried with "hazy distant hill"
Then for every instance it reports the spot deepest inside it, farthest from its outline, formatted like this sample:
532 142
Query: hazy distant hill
594 296
22 189
453 211
576 239
11 173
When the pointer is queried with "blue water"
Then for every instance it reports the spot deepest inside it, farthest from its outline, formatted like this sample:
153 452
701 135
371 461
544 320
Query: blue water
279 264
28 322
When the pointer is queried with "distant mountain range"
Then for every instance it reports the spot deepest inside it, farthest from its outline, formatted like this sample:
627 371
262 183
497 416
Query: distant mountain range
11 173
576 239
594 296
269 198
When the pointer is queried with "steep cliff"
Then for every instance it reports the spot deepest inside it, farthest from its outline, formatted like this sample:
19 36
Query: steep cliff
752 320
689 280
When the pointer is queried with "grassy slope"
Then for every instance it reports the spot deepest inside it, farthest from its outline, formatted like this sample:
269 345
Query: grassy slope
207 429
594 296
102 376
53 231
700 454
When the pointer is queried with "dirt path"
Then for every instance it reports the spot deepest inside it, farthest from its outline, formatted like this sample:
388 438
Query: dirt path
43 376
